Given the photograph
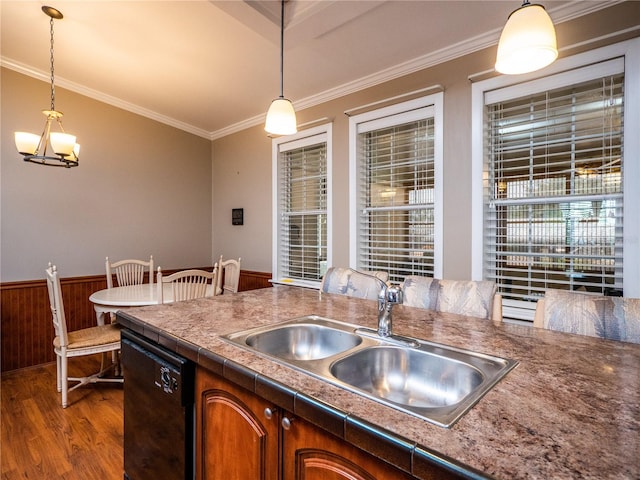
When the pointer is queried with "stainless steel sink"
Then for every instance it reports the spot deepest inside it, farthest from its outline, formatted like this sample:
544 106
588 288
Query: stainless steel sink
303 341
408 377
432 381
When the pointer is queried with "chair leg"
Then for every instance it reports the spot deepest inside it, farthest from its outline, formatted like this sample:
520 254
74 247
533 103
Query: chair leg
65 380
117 371
58 381
115 363
103 361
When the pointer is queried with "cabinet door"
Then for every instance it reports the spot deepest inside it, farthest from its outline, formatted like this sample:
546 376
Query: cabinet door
234 438
313 454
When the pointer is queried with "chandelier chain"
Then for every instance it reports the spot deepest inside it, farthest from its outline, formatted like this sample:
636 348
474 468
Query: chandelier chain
53 91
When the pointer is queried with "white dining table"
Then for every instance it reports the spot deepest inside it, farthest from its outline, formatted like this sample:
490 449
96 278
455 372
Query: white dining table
111 300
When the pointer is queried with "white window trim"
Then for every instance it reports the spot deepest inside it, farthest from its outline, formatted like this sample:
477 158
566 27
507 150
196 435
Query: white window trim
436 101
630 50
287 143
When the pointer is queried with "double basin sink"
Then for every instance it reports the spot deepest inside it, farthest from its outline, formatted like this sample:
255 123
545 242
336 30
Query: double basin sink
435 382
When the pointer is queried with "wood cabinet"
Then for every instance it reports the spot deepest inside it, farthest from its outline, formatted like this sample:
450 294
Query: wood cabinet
236 439
310 453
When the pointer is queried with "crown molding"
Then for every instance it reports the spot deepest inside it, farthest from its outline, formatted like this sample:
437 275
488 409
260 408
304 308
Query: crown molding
102 97
561 14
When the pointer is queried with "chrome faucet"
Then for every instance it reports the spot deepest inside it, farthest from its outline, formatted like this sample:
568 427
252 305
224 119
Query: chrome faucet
387 298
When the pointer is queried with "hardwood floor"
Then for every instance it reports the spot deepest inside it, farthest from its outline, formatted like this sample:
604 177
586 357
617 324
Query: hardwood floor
41 440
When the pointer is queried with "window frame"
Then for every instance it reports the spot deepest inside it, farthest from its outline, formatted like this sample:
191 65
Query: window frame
577 65
404 112
301 139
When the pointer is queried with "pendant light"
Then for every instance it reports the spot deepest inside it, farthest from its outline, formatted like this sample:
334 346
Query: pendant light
63 145
281 117
528 41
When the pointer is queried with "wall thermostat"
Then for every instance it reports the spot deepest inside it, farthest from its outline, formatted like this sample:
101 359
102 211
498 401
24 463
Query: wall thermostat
237 216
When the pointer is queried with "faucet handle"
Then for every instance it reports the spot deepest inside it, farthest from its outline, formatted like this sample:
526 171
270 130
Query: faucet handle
394 294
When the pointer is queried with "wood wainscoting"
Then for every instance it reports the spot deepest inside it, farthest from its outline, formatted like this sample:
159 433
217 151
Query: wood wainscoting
26 329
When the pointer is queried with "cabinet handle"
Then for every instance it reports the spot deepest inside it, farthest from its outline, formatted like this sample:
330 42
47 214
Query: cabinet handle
286 422
269 412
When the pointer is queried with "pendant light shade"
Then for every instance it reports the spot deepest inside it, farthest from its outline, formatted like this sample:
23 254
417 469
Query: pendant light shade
528 41
281 117
64 151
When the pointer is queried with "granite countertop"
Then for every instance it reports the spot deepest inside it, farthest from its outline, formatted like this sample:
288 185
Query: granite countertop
570 409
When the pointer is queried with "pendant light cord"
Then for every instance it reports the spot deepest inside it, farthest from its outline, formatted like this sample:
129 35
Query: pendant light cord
282 50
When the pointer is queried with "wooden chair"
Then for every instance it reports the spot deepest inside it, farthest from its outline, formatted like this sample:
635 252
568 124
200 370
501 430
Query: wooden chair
218 280
613 318
464 297
538 318
128 272
186 284
66 344
346 281
230 275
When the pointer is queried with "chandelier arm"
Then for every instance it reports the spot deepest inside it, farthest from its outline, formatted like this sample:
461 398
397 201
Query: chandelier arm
41 150
59 120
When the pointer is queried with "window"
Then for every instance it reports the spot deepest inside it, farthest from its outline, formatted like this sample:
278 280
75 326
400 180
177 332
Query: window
396 207
302 199
554 206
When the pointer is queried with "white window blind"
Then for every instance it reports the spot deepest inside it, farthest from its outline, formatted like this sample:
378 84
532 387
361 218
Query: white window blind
396 194
554 193
302 209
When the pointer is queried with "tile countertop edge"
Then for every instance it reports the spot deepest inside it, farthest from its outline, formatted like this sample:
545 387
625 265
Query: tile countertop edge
391 448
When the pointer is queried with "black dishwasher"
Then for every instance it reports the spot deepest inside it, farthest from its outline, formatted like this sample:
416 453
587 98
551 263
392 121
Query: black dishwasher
158 411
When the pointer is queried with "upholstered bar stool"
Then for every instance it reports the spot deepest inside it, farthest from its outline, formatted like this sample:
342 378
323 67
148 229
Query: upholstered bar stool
464 297
346 281
613 318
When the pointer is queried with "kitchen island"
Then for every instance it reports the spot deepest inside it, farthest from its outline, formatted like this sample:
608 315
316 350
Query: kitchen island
570 409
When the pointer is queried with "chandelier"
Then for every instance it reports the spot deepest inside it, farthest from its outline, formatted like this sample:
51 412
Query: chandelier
63 147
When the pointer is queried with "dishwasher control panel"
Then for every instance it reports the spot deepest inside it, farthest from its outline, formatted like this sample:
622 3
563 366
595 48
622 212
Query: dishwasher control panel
167 379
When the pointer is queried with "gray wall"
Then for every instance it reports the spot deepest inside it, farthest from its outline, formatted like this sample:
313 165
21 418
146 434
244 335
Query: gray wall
141 188
146 188
251 150
242 162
